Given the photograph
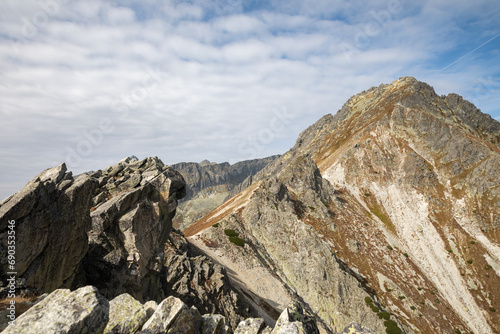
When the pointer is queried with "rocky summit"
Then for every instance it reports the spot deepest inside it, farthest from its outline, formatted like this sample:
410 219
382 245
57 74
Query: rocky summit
386 213
383 218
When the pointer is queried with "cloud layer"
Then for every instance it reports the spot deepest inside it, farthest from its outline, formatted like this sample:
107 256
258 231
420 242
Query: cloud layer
91 82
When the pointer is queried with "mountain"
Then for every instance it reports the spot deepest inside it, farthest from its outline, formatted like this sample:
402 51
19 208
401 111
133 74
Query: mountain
209 184
386 213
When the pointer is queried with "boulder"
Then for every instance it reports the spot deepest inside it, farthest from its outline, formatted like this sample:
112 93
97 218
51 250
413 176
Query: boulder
51 215
126 315
173 316
214 324
64 311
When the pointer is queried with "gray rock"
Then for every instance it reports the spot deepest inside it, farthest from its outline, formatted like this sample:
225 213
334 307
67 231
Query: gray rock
214 324
295 320
197 281
63 311
130 227
250 326
50 220
173 316
126 315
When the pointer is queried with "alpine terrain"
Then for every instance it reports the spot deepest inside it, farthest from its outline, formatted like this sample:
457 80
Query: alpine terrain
383 218
386 213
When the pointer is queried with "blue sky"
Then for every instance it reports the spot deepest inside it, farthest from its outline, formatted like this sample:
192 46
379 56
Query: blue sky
91 82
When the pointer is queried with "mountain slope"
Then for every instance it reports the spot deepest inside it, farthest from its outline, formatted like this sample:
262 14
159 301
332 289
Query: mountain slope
393 203
209 184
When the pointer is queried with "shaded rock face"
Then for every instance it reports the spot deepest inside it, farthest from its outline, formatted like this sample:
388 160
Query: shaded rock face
131 219
86 311
386 214
197 281
209 184
51 215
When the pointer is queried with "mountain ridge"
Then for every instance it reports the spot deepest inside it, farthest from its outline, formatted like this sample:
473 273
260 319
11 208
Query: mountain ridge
415 171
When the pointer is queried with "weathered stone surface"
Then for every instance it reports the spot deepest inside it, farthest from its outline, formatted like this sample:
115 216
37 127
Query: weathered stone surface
197 281
130 227
294 320
63 311
355 328
126 315
51 215
250 326
214 324
173 316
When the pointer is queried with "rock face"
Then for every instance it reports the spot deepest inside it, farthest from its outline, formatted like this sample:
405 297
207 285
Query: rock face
61 312
131 220
209 184
86 311
385 214
197 281
51 216
105 228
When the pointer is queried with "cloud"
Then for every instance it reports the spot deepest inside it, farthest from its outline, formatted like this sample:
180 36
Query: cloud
206 80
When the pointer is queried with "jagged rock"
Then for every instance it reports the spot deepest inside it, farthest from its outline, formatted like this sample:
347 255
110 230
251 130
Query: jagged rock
130 227
197 281
355 328
173 316
250 326
63 311
294 320
214 324
51 215
126 315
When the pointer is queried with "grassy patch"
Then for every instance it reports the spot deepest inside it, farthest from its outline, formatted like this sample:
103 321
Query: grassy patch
237 241
487 267
215 225
492 309
369 302
377 211
391 327
384 315
231 233
406 254
390 247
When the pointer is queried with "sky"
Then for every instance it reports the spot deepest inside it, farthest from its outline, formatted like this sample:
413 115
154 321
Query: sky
92 82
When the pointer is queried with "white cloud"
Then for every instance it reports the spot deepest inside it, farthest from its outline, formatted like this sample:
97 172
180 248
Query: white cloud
223 75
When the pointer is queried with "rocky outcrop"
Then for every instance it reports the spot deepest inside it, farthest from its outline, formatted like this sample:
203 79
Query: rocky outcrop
131 220
209 184
385 214
86 311
49 216
105 228
197 281
63 311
